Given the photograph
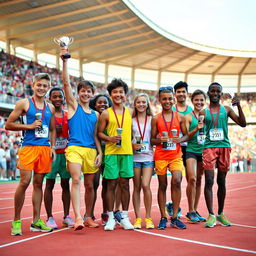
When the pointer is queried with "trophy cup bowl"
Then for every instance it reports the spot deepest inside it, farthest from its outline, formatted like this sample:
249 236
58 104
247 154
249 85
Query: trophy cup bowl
64 42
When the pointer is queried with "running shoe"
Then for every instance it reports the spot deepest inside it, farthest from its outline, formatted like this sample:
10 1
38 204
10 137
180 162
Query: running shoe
68 222
222 219
149 223
177 223
137 223
169 209
79 224
89 222
192 217
202 219
16 228
51 223
162 223
211 221
118 216
104 218
40 226
110 225
126 224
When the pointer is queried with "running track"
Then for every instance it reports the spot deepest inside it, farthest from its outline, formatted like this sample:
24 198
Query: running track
240 239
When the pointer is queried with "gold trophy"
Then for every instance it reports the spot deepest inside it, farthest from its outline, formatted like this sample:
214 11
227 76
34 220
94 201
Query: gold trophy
64 42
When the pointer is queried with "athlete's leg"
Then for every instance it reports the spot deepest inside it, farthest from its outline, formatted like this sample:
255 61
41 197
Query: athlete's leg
89 194
176 191
221 193
209 180
191 183
48 198
161 193
136 191
199 175
65 196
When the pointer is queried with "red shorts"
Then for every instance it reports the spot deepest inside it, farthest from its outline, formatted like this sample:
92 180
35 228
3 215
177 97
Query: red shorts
216 157
37 158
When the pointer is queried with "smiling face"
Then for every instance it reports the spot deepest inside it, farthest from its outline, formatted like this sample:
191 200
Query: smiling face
141 104
198 102
85 94
215 93
166 99
181 95
118 95
40 87
101 104
57 98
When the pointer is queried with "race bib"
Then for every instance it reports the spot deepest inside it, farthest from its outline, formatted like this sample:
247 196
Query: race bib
144 147
216 134
42 132
201 139
61 142
169 145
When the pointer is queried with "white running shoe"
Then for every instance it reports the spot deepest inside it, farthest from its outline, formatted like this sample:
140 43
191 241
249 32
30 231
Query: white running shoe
110 225
126 224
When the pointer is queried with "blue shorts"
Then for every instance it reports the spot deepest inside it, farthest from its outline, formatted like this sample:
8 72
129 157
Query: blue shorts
143 164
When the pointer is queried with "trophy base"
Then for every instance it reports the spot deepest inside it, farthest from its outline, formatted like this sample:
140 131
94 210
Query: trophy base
66 56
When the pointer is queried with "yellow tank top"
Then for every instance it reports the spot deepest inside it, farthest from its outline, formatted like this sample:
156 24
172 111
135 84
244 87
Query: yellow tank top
126 146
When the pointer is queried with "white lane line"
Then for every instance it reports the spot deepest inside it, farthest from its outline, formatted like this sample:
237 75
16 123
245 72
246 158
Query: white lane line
31 238
235 189
244 226
196 242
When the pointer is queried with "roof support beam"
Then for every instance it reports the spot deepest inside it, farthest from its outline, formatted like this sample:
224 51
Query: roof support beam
240 75
132 78
106 74
3 4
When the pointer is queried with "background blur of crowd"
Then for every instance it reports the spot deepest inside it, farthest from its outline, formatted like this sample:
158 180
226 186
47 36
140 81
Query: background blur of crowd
16 80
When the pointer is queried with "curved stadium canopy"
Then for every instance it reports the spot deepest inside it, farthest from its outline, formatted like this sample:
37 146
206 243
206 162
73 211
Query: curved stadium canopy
114 32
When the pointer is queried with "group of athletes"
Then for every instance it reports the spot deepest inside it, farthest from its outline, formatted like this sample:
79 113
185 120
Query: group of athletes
100 135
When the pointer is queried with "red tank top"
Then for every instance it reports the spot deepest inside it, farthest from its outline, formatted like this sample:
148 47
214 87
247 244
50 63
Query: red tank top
168 155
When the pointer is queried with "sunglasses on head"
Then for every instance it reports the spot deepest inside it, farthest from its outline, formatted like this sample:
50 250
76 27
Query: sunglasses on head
169 88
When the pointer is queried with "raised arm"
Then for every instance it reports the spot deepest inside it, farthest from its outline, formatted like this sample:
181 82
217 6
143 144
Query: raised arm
70 99
20 108
240 118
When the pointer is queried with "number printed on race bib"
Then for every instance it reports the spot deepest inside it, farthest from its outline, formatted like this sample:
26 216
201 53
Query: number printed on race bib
216 134
171 146
201 139
61 143
42 132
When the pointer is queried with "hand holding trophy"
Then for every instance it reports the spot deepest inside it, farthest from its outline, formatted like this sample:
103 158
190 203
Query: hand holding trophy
64 42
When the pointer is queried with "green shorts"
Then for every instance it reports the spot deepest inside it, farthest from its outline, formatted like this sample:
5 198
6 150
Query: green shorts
59 166
118 166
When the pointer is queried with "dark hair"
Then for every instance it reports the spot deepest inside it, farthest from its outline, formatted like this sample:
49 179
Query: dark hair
85 83
115 83
197 92
94 100
53 89
214 84
179 85
148 110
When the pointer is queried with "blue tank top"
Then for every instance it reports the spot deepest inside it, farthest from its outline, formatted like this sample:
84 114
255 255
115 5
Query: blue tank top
81 128
36 137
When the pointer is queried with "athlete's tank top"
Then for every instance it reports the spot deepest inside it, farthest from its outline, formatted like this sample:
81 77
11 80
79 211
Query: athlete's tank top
147 153
81 128
62 137
193 145
222 124
168 155
36 137
126 148
187 111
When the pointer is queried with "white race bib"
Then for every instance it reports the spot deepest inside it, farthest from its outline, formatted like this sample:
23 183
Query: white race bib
42 132
216 134
144 147
201 139
169 145
61 142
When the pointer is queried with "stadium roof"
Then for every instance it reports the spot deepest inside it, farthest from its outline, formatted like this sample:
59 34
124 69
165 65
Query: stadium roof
113 32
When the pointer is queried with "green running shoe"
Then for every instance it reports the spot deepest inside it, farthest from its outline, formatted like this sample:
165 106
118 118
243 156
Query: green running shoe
16 228
40 226
222 219
211 221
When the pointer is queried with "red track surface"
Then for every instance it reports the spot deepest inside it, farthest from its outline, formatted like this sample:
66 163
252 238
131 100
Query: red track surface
240 239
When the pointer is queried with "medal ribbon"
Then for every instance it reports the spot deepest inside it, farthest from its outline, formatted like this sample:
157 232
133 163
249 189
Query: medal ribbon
43 111
145 125
217 117
122 122
165 123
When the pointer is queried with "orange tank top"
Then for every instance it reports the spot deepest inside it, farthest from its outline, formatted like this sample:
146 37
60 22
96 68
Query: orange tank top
162 126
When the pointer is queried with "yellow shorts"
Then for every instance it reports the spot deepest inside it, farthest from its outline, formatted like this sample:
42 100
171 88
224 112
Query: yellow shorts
37 158
161 166
84 156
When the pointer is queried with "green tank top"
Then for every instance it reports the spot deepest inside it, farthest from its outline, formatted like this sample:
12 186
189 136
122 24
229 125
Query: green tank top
188 110
193 145
210 130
